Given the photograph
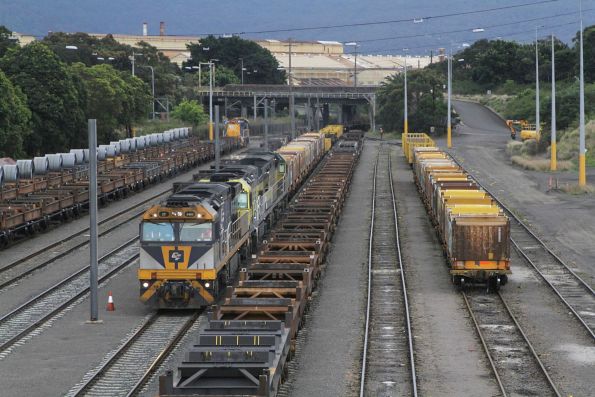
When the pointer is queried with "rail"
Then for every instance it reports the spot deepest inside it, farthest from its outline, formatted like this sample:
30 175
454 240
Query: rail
507 347
383 250
33 314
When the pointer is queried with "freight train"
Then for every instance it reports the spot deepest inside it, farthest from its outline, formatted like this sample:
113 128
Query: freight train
46 190
249 338
472 227
192 243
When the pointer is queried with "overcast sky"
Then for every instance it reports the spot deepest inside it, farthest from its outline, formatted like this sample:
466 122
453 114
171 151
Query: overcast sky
194 17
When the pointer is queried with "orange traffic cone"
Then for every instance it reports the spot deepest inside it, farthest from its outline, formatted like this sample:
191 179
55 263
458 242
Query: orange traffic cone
110 303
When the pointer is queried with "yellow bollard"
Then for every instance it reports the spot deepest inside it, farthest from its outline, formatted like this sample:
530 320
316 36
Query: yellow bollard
553 158
406 127
449 136
582 169
211 136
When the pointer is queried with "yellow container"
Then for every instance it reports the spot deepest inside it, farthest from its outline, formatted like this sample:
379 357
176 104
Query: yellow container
411 141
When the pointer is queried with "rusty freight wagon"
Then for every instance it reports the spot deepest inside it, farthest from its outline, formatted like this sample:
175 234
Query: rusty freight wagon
473 229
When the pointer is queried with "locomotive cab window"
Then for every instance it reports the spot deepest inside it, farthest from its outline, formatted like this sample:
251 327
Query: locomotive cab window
192 232
158 231
243 200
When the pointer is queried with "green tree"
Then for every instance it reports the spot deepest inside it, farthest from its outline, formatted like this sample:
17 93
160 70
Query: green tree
93 51
52 96
190 112
426 105
5 41
15 119
588 53
116 99
223 76
229 50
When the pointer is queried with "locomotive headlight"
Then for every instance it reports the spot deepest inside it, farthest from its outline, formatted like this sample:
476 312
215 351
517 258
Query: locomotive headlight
145 285
207 285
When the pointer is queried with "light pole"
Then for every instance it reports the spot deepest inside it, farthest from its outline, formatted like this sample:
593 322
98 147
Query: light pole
210 101
553 154
152 87
355 45
406 97
537 120
449 78
242 70
449 110
134 54
582 171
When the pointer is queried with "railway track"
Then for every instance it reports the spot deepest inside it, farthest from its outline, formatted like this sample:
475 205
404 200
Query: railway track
388 365
129 367
516 366
574 292
17 325
21 268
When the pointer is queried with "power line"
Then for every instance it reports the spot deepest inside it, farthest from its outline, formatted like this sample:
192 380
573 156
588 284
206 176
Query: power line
350 25
510 34
468 29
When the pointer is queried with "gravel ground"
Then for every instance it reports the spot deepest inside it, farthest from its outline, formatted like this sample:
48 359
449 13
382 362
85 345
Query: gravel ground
566 351
446 345
49 364
328 357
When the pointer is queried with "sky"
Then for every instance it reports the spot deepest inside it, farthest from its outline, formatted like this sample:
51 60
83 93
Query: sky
388 28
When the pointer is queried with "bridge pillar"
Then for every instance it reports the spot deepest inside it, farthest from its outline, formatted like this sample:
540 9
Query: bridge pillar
346 115
325 114
244 110
255 108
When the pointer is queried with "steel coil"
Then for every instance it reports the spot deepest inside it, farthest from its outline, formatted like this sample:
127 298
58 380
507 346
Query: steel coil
40 165
140 142
117 147
124 146
86 155
159 138
68 160
11 173
132 142
1 176
25 168
102 152
111 151
167 136
79 155
186 132
177 134
54 161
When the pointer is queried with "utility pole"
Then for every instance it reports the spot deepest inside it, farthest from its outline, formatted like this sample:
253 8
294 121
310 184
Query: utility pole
217 148
355 67
582 165
291 97
406 116
134 54
211 101
449 121
92 128
537 120
266 124
242 70
553 154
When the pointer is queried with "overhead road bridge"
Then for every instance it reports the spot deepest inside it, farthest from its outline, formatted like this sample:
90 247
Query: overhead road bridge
314 100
